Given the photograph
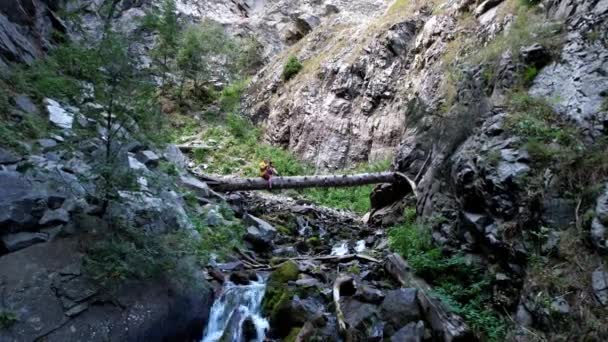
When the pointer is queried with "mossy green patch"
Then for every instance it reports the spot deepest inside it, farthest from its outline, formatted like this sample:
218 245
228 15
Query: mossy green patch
293 334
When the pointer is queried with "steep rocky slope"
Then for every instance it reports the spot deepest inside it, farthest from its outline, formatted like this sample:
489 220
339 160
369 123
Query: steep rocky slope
497 109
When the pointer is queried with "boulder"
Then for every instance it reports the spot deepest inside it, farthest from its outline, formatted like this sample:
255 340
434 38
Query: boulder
413 332
369 294
17 241
195 185
400 307
20 204
7 157
47 144
148 158
54 287
259 232
58 115
53 217
486 6
174 155
25 104
359 315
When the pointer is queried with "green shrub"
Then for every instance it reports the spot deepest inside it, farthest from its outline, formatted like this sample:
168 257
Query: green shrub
230 97
529 75
292 68
7 319
129 253
464 287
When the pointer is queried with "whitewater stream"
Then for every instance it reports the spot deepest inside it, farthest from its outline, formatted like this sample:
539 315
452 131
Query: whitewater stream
237 304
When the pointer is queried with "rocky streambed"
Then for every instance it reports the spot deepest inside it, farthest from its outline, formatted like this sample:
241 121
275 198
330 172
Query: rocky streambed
311 273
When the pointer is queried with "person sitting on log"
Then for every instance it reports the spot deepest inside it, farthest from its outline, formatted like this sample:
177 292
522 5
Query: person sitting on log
267 171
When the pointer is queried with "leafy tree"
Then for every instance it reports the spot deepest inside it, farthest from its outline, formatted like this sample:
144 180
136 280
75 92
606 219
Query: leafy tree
200 47
165 51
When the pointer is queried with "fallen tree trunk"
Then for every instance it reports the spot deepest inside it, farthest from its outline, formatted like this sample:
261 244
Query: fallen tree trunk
300 182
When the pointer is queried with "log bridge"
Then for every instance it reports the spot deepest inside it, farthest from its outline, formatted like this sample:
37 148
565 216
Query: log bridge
300 182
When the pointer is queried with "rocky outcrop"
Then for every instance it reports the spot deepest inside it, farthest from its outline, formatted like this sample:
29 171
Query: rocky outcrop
52 299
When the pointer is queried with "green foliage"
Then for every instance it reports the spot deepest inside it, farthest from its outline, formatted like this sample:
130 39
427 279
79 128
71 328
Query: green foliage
129 253
30 127
464 287
529 3
529 75
7 319
291 68
230 97
534 119
218 240
353 198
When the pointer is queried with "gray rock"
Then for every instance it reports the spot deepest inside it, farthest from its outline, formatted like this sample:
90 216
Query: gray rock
523 316
17 241
148 158
25 104
413 332
599 282
53 287
551 244
20 205
264 227
58 115
193 184
135 164
400 307
174 155
53 217
369 294
558 212
7 157
359 315
309 282
600 221
511 171
214 218
47 144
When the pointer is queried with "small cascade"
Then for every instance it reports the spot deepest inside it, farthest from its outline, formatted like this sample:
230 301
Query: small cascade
340 249
236 315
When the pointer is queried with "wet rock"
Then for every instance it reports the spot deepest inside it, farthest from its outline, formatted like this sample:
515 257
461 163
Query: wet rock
25 104
413 332
148 158
17 241
249 330
58 115
400 307
308 282
54 217
599 282
242 277
135 164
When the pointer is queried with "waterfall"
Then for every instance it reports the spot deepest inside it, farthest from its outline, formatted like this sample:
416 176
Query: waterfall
229 312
